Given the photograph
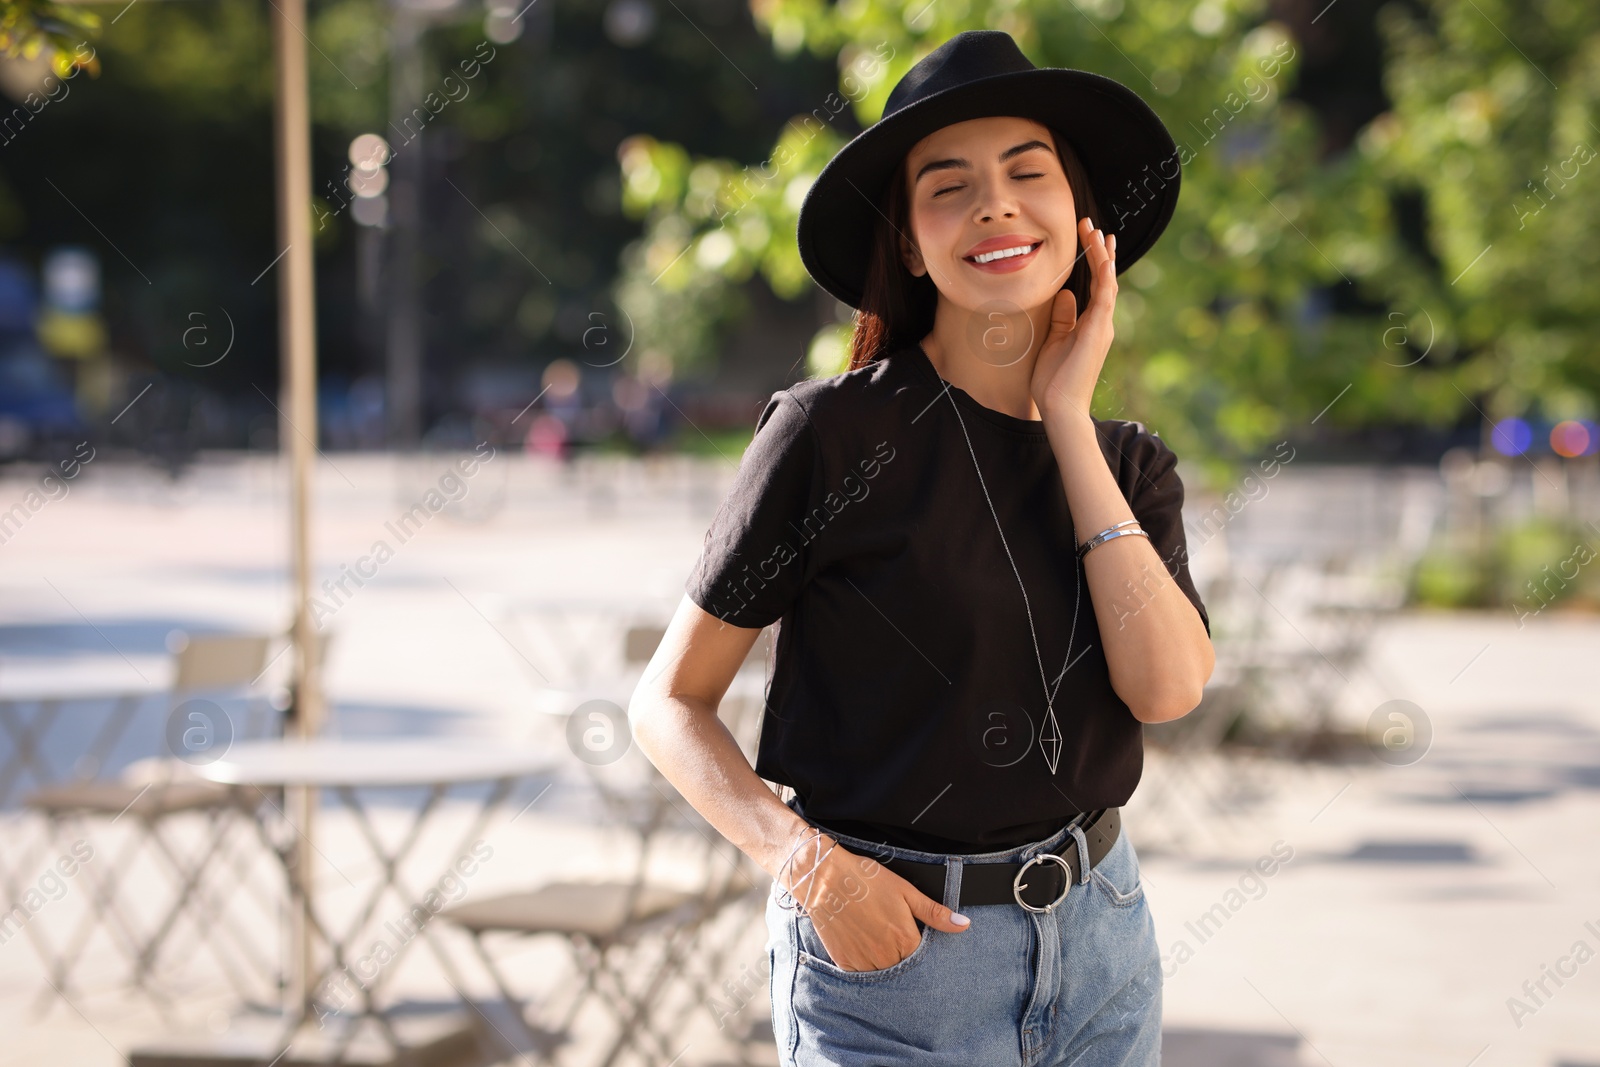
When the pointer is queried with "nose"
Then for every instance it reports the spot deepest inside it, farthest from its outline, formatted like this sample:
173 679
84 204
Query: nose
998 201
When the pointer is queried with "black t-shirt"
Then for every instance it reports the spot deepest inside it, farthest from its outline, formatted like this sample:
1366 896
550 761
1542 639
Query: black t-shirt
906 703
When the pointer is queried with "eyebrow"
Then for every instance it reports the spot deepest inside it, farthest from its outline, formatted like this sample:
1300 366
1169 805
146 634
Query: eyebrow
954 164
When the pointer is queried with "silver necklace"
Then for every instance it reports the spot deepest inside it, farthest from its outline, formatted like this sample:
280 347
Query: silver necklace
1050 735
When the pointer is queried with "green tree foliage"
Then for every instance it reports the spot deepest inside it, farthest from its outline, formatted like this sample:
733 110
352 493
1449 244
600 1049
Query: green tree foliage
1228 333
1493 132
1212 339
31 27
710 225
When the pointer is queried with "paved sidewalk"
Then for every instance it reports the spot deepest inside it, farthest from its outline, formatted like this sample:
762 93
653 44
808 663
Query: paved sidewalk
1418 900
1408 907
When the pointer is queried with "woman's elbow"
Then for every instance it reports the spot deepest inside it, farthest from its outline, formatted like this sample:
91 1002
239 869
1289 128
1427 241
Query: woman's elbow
1164 699
656 709
641 708
1181 692
1171 704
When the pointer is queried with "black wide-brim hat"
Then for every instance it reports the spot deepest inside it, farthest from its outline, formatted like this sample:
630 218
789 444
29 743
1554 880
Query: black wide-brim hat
1130 158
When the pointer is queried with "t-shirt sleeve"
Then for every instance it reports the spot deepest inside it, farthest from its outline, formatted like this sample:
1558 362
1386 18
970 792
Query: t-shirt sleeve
1155 493
752 563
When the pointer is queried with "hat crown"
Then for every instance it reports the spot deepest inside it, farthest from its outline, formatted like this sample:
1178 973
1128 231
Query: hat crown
966 57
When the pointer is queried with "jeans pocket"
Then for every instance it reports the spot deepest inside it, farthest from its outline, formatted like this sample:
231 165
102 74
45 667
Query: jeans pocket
814 954
1117 873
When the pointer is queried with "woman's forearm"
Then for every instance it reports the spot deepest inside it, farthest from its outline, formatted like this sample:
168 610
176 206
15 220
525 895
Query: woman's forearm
694 750
1156 646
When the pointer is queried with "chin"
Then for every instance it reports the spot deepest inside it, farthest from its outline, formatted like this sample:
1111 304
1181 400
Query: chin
1023 293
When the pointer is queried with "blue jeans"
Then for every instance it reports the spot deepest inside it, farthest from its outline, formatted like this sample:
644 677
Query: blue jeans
1079 986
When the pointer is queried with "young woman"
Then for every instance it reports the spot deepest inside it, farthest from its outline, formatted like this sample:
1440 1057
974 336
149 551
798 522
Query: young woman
981 593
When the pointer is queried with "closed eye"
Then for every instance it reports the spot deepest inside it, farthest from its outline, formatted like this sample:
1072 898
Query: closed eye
953 188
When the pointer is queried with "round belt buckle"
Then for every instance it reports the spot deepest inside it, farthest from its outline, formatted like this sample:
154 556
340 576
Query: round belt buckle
1017 884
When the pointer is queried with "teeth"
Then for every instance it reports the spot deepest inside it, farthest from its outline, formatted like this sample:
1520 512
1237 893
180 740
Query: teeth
1004 253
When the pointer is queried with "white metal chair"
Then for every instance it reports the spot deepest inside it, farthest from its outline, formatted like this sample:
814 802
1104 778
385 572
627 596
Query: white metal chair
1291 635
630 937
213 665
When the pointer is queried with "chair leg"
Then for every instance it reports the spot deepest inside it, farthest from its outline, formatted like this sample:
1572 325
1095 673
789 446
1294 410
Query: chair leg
633 1023
106 912
190 877
638 1022
216 915
713 956
535 1041
25 757
592 958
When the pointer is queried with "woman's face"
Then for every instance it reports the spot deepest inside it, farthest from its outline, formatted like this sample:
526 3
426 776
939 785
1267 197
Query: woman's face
983 186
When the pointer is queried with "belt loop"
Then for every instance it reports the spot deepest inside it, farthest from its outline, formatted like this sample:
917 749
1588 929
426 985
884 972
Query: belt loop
1083 853
952 883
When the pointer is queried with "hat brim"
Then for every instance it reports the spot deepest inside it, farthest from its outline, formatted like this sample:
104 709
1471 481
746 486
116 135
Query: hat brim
1130 158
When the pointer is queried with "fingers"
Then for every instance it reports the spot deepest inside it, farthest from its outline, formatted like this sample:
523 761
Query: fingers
1063 312
1102 252
1100 248
935 914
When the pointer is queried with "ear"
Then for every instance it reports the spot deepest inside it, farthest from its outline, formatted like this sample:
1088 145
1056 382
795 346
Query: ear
911 256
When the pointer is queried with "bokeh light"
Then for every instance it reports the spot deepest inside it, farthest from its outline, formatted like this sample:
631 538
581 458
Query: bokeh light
368 152
630 23
1512 437
1570 438
562 378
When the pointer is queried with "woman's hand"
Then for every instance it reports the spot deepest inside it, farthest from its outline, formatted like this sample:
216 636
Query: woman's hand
866 914
1069 361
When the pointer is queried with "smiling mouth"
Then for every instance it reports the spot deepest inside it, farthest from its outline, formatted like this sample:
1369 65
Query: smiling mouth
1002 254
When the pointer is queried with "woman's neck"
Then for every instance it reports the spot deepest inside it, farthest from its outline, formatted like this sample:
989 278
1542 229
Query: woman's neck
990 356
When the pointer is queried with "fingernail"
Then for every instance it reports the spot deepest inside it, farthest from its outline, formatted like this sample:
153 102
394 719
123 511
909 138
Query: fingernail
959 919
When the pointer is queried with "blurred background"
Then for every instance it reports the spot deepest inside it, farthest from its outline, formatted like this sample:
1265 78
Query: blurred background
552 280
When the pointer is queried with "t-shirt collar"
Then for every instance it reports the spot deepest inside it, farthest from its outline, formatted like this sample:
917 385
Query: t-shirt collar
1028 427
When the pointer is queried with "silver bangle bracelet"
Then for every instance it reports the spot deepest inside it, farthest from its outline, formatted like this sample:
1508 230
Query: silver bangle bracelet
1127 522
1120 525
1110 534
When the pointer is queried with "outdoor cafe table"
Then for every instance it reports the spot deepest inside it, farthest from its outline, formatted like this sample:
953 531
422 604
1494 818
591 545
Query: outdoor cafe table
257 771
95 713
28 713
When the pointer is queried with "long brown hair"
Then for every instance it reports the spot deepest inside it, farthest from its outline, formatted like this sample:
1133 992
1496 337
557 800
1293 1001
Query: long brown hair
897 307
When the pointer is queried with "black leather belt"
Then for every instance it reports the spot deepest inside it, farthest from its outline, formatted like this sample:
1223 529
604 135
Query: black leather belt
1038 883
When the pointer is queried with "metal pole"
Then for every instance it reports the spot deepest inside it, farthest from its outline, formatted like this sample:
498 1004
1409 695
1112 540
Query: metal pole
298 356
404 327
